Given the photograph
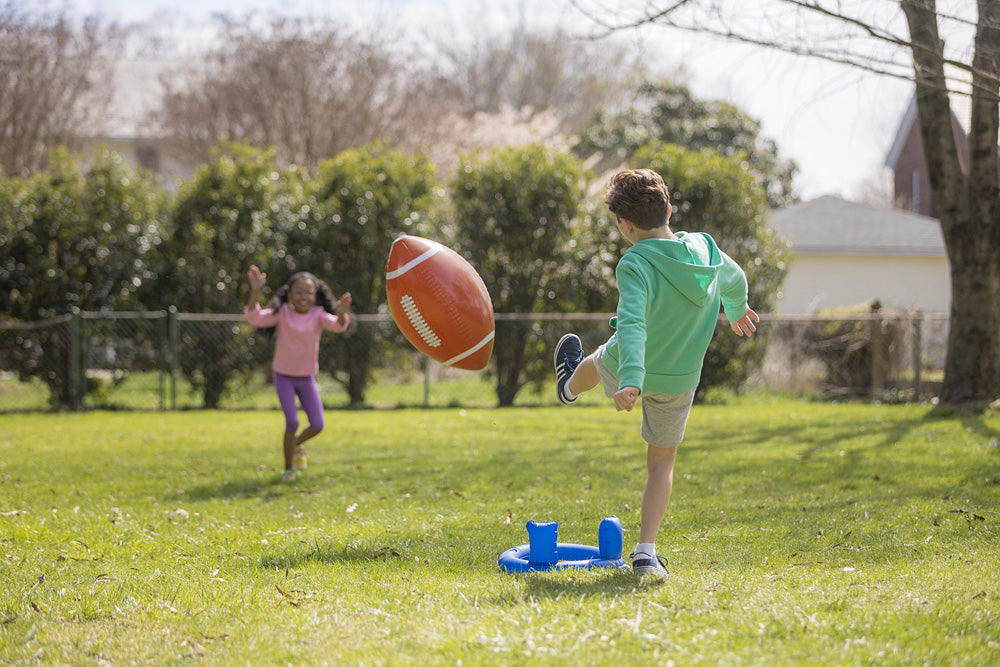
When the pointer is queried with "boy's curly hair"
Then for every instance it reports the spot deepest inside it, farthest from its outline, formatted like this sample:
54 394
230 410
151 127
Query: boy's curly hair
640 196
324 298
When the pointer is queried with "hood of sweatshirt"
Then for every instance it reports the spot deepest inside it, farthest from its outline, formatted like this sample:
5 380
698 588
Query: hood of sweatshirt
691 263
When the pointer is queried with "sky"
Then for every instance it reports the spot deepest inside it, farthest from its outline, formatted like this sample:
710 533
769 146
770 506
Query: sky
837 123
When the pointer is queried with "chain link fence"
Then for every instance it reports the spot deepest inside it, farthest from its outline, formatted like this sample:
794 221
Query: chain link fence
166 360
887 356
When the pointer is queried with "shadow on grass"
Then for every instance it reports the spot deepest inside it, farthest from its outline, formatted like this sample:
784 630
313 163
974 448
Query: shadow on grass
555 584
332 555
257 488
571 583
825 452
829 451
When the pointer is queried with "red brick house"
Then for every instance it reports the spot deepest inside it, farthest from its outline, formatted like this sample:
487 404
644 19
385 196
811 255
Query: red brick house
911 184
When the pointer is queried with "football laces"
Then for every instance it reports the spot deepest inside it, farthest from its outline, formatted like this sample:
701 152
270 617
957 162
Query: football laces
418 322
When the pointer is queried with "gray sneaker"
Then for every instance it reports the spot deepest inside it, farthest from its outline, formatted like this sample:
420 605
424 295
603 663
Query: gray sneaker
645 564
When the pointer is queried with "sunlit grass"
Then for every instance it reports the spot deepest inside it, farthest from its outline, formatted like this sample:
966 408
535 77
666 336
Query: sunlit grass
799 533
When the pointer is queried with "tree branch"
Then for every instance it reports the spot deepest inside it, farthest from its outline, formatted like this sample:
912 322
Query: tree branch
901 69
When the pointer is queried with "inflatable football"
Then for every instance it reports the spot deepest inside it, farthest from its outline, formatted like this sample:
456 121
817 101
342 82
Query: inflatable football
440 303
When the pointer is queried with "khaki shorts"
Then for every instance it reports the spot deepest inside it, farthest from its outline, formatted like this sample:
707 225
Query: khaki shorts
664 416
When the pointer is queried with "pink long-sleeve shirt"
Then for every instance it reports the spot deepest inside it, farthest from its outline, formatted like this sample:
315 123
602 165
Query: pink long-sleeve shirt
296 351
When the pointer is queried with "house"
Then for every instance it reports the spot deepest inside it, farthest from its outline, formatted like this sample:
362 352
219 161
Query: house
911 182
846 253
128 127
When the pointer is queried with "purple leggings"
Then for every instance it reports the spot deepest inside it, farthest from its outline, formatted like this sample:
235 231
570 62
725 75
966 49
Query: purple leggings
288 387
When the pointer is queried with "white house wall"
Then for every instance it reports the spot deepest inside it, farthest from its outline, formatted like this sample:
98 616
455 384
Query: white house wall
146 154
815 282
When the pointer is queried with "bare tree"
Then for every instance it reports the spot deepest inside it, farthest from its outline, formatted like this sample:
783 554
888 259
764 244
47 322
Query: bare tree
49 64
310 89
904 39
527 66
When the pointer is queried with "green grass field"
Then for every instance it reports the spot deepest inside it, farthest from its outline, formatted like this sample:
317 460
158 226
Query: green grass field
799 533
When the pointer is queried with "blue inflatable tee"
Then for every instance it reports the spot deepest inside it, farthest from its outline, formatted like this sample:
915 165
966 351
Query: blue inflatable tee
610 538
543 539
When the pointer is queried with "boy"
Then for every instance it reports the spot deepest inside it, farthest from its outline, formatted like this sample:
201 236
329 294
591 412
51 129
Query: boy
670 288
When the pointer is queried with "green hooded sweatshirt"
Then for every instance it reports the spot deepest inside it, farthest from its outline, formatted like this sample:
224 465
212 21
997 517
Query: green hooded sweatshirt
668 306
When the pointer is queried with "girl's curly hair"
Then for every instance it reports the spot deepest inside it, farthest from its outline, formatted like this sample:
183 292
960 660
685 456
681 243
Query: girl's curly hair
324 298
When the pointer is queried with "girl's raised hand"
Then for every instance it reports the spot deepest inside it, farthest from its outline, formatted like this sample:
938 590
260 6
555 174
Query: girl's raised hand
257 278
343 304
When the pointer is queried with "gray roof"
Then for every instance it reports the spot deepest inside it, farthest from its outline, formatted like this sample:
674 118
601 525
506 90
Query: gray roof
830 225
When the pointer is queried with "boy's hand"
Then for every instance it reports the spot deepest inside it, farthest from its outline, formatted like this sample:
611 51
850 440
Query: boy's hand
746 325
625 398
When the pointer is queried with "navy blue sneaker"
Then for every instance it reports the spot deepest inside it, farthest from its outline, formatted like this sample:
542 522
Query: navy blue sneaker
646 564
569 354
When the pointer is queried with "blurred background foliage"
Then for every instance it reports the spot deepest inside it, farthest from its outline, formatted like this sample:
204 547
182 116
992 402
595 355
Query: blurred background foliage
316 144
106 237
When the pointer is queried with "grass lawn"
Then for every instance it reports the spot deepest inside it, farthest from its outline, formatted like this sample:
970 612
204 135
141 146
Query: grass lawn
799 533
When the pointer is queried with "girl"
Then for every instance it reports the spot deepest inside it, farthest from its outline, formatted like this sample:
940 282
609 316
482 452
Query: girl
300 311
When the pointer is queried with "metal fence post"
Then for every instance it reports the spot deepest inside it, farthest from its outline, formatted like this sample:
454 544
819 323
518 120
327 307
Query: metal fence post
878 355
427 381
918 355
75 359
172 338
163 342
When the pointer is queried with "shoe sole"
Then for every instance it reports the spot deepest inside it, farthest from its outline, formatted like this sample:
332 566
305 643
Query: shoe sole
651 572
555 363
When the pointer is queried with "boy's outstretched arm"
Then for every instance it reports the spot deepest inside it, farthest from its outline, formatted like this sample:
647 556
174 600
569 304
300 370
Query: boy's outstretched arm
746 325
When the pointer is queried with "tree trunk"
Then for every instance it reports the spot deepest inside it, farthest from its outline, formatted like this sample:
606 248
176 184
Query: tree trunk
358 366
509 359
968 201
972 367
